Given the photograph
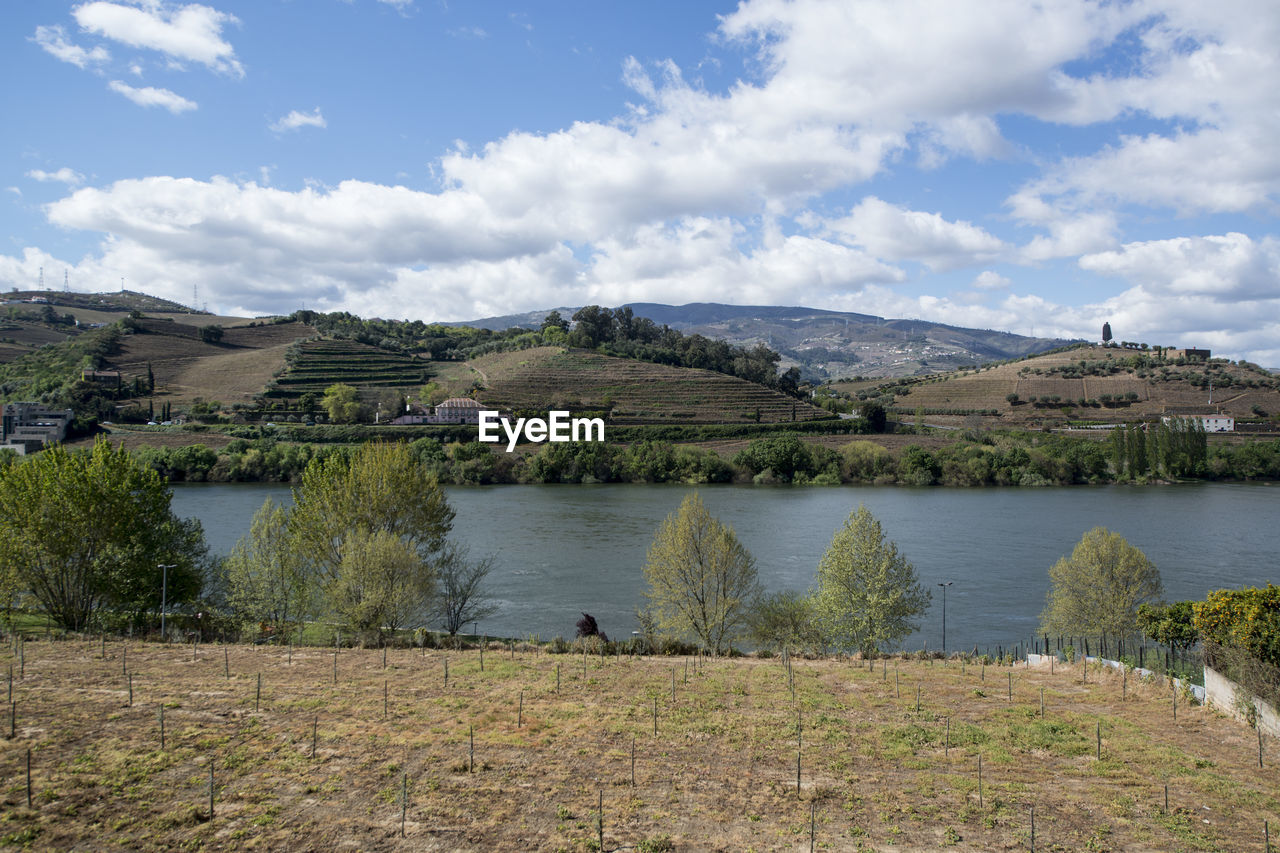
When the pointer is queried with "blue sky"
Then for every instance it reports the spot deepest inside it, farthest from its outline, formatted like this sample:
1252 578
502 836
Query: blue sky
992 163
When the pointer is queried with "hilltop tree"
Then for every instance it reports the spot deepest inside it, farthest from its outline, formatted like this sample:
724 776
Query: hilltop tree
702 581
868 594
553 320
1099 588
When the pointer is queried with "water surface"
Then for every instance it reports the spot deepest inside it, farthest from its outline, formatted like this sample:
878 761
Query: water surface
563 550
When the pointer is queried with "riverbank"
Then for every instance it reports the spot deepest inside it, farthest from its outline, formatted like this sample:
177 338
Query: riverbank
955 458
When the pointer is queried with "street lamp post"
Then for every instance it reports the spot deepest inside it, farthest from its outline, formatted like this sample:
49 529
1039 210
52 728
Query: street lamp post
164 593
944 616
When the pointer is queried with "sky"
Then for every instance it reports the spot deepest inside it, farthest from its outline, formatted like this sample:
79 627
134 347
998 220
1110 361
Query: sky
1033 167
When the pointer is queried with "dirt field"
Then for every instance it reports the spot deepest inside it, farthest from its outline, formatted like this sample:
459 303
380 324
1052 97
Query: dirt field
719 774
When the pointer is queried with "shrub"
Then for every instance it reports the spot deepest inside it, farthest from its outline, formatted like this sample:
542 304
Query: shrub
1247 619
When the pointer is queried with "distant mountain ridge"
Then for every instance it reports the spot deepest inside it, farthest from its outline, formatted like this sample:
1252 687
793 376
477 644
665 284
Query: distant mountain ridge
822 342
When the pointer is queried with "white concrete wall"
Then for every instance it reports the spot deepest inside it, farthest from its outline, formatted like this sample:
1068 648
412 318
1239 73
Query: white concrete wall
1221 693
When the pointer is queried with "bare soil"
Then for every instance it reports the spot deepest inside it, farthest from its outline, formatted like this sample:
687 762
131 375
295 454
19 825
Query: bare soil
555 733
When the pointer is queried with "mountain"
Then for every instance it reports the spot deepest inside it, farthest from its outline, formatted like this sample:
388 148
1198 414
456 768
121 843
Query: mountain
826 344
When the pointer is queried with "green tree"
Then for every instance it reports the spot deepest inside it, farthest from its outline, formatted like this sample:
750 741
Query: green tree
868 594
553 320
876 417
267 580
377 487
88 529
1173 625
460 596
381 582
701 579
211 334
341 403
785 620
1098 589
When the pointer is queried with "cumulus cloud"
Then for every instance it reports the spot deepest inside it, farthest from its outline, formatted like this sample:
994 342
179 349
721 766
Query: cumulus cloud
295 120
1230 268
695 194
185 33
65 175
896 233
54 41
991 280
150 96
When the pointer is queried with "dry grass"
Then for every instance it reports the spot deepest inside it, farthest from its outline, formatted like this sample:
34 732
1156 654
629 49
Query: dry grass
988 388
185 368
720 774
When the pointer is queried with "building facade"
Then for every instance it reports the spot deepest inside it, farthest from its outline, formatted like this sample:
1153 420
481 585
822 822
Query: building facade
28 427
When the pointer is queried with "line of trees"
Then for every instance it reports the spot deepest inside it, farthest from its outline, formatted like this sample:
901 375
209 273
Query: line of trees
1026 459
365 545
702 585
612 331
1179 448
89 537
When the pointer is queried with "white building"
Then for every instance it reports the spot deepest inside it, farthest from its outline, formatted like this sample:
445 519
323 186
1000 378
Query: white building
455 410
1210 423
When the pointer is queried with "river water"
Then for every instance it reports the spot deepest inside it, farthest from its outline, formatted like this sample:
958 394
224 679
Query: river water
560 551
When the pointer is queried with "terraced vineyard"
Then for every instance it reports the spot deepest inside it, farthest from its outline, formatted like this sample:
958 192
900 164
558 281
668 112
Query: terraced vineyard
1112 388
634 392
322 363
186 368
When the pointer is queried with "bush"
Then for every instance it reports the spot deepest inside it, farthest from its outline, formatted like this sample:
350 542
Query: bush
1247 619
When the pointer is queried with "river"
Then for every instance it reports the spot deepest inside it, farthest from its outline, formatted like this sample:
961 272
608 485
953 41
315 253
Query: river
562 550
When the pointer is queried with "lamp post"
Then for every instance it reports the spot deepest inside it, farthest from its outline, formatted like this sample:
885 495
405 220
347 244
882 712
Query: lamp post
944 616
164 593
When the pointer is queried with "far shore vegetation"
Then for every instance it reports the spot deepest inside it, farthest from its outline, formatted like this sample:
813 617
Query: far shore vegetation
827 453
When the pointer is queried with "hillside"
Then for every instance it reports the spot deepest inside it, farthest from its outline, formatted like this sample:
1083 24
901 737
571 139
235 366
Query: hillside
234 370
34 318
634 392
1092 383
827 344
317 364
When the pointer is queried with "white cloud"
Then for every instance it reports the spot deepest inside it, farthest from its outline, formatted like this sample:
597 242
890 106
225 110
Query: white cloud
149 96
991 280
54 41
706 259
1230 268
266 248
191 32
295 120
65 175
898 234
684 195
